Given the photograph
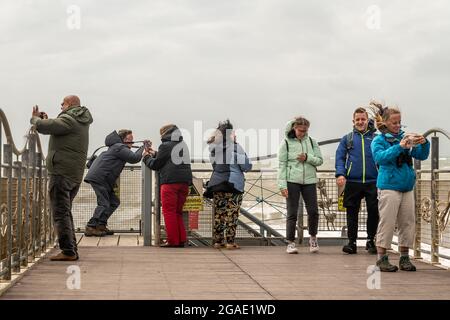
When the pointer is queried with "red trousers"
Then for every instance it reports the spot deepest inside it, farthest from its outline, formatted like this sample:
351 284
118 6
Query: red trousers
173 197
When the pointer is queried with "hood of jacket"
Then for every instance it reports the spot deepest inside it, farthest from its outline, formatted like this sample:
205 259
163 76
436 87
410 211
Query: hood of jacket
288 129
112 138
79 113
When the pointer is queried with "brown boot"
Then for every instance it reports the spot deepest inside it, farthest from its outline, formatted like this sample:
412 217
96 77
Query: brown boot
62 257
104 229
90 231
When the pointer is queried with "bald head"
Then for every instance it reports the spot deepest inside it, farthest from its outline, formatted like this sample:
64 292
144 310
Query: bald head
70 101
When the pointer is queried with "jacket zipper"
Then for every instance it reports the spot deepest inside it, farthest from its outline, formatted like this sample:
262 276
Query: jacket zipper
349 168
364 158
303 163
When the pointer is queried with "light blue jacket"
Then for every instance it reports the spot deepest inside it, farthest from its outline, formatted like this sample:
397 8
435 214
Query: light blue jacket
385 149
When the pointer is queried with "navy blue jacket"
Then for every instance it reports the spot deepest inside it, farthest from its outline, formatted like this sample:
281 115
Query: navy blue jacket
357 164
107 167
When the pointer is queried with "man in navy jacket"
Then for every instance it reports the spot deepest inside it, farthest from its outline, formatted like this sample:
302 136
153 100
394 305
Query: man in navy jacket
102 176
356 169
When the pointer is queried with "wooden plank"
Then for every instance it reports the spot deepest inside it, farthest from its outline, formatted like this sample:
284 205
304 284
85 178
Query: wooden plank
108 241
89 242
128 240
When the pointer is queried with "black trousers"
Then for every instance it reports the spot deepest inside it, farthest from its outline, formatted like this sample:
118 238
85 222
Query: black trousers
353 194
107 203
309 194
62 191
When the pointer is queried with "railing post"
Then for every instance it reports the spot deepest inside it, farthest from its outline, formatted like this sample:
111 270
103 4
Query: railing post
47 221
417 199
146 204
157 211
26 192
19 232
26 232
32 162
7 151
434 200
40 201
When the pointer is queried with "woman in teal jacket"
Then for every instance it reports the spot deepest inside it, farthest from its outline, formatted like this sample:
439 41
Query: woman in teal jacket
299 155
393 152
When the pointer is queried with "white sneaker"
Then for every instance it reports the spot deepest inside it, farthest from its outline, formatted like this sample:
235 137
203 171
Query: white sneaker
291 248
313 246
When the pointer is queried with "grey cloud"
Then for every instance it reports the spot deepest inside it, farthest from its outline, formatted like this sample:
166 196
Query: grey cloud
141 64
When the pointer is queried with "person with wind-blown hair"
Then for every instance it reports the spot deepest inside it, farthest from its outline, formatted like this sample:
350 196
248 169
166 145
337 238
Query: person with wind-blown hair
226 185
393 151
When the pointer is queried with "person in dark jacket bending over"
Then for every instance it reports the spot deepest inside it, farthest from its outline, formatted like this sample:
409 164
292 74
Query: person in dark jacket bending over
66 158
175 176
356 169
102 176
226 186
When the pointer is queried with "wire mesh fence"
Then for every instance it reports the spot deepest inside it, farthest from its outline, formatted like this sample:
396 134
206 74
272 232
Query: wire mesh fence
127 217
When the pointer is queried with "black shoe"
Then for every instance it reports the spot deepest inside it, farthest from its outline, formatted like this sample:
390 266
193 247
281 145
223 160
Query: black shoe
350 248
371 247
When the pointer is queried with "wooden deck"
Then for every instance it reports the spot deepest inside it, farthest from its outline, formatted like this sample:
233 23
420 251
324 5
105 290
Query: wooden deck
119 240
137 272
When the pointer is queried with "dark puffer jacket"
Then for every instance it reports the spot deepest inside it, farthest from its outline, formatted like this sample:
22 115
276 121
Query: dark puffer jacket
107 167
172 159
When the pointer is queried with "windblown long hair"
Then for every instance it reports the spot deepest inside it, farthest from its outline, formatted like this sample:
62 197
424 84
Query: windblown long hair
381 114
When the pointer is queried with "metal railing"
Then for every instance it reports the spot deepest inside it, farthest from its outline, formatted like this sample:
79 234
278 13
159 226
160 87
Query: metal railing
263 212
127 218
432 204
26 228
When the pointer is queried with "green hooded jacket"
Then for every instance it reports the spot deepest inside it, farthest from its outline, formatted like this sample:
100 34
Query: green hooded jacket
292 170
69 140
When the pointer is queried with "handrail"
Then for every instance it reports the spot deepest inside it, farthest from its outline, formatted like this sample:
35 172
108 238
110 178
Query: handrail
10 140
26 225
437 130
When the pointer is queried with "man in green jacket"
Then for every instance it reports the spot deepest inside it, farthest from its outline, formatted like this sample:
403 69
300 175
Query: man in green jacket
66 159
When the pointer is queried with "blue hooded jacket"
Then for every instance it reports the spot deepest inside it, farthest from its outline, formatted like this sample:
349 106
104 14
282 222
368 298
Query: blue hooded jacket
385 149
356 164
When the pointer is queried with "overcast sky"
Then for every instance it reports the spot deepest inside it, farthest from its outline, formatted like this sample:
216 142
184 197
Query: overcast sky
142 64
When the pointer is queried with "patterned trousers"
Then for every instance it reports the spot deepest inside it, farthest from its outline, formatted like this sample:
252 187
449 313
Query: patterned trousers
227 207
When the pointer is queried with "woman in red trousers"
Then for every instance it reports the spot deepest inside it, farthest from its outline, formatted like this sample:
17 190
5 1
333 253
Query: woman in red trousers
173 163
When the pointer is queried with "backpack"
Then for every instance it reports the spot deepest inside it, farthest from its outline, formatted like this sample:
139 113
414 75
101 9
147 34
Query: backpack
349 138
